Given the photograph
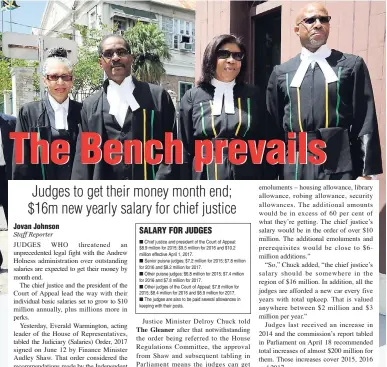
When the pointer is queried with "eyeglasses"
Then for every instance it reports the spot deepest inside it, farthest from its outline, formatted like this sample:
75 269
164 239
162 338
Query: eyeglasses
226 54
121 52
312 20
55 78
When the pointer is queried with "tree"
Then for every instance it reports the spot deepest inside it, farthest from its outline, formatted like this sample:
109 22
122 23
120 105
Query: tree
148 46
88 76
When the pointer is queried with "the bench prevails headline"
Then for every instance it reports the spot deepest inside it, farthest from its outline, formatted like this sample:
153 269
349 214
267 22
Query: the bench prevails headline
170 151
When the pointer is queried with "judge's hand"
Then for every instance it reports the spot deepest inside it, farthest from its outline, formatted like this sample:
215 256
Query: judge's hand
364 178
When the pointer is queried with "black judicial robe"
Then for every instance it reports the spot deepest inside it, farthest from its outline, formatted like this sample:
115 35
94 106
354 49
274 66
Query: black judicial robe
340 113
34 117
7 125
196 122
152 120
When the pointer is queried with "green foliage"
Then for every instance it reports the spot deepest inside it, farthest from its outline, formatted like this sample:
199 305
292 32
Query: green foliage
66 35
148 47
5 75
88 76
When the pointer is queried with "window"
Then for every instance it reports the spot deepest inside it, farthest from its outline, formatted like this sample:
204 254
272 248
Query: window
93 19
120 26
175 41
167 28
132 23
183 87
178 32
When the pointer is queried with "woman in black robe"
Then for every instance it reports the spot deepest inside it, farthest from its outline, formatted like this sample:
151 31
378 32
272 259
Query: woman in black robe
221 107
54 117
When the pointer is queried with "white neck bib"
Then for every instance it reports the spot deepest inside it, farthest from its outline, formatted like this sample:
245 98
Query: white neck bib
307 58
225 89
120 98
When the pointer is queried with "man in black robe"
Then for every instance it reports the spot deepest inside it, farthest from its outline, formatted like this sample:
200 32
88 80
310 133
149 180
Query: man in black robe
124 109
328 94
7 125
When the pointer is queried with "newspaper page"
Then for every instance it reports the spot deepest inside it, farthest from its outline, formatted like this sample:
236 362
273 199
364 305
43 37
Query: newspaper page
109 258
160 274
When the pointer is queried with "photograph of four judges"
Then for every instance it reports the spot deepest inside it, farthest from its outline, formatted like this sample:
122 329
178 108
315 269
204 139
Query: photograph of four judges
324 92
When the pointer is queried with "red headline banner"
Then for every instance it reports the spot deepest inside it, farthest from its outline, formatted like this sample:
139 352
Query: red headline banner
171 151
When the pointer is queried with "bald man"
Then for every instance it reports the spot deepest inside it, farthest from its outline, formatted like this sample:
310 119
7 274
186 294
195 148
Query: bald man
328 94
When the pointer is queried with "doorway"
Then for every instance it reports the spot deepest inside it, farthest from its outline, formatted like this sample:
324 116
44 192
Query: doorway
267 39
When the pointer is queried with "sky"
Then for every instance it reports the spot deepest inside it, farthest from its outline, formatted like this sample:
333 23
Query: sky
30 13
